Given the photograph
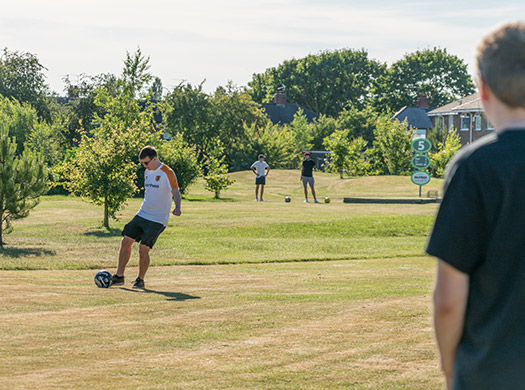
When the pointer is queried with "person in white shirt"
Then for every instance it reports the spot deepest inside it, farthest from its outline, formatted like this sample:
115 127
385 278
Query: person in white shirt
260 169
160 187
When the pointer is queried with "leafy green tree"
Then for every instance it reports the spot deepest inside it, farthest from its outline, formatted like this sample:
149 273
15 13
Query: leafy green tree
339 146
216 171
82 106
357 164
156 89
392 148
187 111
325 83
322 127
49 141
446 150
22 78
359 122
20 119
437 135
23 179
135 75
90 97
441 76
231 108
181 157
101 170
303 136
203 118
277 143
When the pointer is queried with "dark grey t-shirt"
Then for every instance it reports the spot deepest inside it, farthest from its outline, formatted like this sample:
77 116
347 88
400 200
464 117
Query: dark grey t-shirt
480 230
308 167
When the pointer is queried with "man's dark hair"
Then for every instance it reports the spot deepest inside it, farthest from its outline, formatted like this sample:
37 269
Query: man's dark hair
148 151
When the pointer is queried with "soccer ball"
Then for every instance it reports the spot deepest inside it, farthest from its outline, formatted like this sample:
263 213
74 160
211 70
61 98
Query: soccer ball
327 200
287 199
103 279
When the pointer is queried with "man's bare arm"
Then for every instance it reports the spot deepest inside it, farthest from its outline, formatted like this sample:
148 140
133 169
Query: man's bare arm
450 302
177 199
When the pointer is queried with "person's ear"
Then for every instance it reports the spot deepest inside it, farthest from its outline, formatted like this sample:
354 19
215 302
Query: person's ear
484 90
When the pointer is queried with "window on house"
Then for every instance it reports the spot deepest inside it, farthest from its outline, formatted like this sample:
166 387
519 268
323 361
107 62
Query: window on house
465 122
490 126
477 122
451 122
439 122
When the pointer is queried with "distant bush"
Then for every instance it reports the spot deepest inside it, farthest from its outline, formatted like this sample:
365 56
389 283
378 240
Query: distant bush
446 150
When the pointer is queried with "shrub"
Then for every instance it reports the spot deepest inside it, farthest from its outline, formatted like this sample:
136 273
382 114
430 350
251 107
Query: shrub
446 150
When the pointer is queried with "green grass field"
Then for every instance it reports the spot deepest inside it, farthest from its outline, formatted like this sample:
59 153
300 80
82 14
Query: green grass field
240 295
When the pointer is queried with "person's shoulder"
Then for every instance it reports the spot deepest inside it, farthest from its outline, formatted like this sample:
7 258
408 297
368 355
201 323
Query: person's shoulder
172 178
473 158
476 151
167 170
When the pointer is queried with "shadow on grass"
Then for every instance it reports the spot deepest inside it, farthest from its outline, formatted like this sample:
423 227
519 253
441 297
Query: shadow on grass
173 296
22 252
211 200
111 232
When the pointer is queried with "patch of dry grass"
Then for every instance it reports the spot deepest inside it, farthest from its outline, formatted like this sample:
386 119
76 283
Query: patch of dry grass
361 324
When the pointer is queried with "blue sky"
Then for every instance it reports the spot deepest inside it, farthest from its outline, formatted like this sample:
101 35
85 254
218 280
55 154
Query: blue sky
232 39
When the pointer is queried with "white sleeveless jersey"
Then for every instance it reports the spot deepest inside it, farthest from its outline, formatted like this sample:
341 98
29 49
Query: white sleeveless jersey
158 185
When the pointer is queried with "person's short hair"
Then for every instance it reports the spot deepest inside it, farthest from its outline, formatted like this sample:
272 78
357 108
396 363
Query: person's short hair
148 151
501 63
307 153
261 156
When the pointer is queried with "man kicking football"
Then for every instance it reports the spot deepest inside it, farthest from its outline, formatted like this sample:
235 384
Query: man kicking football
160 186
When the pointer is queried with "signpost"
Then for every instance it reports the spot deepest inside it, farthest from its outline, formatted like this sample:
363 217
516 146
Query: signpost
420 161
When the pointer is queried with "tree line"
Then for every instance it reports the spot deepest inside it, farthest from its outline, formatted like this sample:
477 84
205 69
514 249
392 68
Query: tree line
88 141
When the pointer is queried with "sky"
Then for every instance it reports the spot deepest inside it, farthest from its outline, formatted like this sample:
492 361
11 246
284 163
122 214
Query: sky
223 40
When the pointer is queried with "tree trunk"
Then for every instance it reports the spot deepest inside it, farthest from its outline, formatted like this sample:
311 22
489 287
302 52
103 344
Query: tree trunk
341 173
1 228
106 218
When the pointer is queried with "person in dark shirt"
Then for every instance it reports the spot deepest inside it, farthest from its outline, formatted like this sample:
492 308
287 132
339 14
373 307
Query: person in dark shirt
307 177
479 233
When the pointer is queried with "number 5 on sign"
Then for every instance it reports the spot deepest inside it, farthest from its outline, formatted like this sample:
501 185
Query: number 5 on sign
421 145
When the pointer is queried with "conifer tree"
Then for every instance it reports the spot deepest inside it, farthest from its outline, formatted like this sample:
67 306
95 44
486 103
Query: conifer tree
23 179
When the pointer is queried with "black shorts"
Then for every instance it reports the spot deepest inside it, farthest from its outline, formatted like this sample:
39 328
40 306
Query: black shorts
260 180
144 231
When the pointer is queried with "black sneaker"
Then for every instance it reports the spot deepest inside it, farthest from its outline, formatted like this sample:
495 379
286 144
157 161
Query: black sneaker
117 280
139 283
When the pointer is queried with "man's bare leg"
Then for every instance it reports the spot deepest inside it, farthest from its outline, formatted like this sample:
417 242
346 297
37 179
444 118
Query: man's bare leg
144 260
313 192
124 254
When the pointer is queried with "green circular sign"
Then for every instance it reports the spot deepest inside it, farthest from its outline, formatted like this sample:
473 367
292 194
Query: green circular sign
420 178
420 161
421 145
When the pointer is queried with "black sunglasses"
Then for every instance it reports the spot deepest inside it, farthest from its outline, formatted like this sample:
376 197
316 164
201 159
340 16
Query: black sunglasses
146 162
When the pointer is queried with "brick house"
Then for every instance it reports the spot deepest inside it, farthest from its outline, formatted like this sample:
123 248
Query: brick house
466 115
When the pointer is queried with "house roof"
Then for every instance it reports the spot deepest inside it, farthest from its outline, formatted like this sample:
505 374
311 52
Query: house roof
416 117
469 103
284 113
